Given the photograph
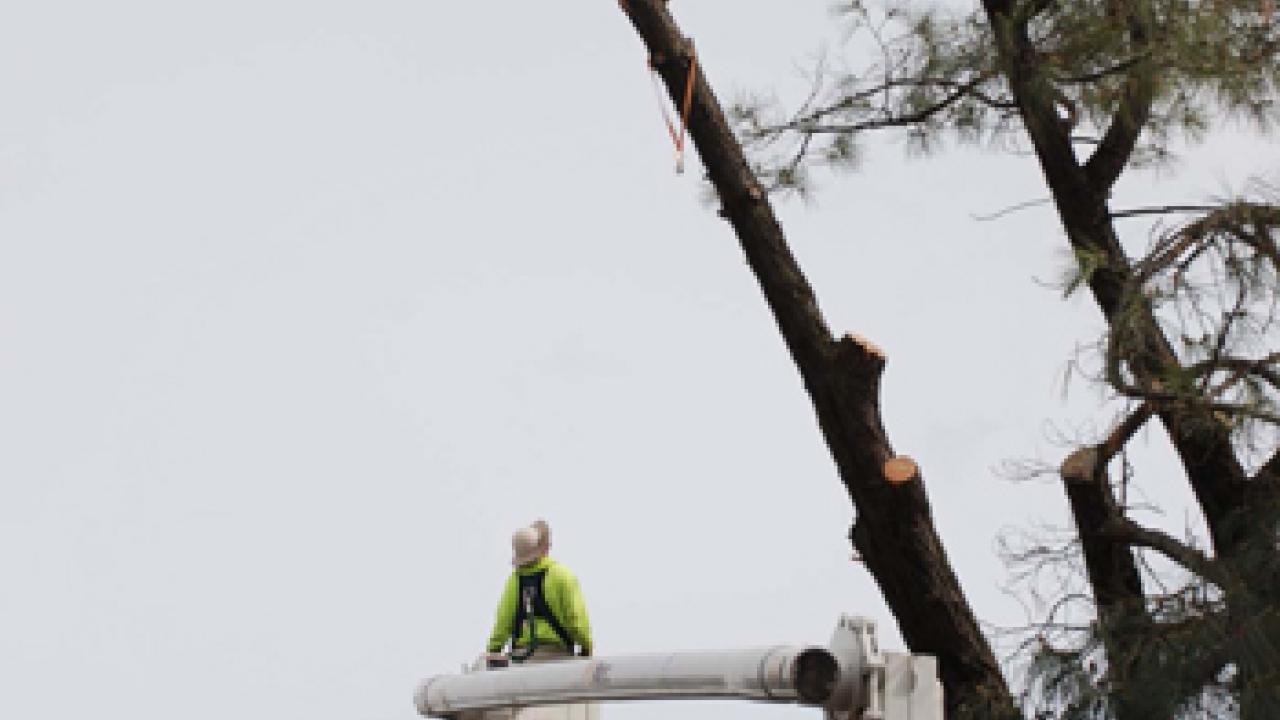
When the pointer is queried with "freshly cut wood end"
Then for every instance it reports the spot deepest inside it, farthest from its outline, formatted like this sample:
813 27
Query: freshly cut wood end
900 469
865 344
1079 464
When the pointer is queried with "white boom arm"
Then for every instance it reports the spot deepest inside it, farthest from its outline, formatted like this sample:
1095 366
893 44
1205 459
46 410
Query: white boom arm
850 679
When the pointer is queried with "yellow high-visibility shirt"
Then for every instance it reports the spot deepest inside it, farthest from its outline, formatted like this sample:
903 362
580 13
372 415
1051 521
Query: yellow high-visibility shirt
563 596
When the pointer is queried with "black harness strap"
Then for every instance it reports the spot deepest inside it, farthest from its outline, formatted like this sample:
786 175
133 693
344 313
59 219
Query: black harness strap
530 598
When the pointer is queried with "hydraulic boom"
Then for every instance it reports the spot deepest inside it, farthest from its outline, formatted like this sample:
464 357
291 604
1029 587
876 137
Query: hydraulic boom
850 679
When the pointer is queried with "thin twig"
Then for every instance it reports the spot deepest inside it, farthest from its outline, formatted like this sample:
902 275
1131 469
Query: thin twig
1011 209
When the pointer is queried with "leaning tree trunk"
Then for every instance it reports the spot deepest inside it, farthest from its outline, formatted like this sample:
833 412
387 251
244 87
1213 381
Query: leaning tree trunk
894 533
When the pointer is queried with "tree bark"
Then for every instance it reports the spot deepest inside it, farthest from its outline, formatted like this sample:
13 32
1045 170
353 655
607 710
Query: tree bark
894 533
1109 564
1080 197
1113 574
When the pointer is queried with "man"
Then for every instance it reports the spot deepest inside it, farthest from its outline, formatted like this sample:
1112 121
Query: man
541 610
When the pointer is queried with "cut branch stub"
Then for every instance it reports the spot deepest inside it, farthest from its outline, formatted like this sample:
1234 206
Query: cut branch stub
1081 465
869 347
900 469
1112 571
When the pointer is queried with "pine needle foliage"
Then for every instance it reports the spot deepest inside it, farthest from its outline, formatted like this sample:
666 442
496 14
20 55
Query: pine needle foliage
934 73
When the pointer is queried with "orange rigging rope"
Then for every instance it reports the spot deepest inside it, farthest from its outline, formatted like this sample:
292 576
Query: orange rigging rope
677 136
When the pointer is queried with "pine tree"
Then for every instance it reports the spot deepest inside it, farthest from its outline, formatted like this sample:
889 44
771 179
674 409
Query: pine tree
1094 89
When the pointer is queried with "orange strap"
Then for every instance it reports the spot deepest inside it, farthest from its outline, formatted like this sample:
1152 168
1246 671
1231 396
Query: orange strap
677 136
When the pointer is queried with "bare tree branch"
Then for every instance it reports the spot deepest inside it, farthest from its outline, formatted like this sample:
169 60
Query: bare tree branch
809 126
1123 432
1012 209
1163 210
811 120
1177 404
1093 77
1233 219
1264 368
1185 555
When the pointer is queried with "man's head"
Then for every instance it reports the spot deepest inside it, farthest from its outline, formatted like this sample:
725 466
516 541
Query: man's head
526 546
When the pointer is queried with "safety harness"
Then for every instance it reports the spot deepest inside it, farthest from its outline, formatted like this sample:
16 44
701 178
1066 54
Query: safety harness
532 605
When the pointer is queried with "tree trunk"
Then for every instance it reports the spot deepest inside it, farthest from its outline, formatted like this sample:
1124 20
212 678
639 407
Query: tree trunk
1203 445
894 533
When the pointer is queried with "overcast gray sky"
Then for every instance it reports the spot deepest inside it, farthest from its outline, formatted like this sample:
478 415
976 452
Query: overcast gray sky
304 306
